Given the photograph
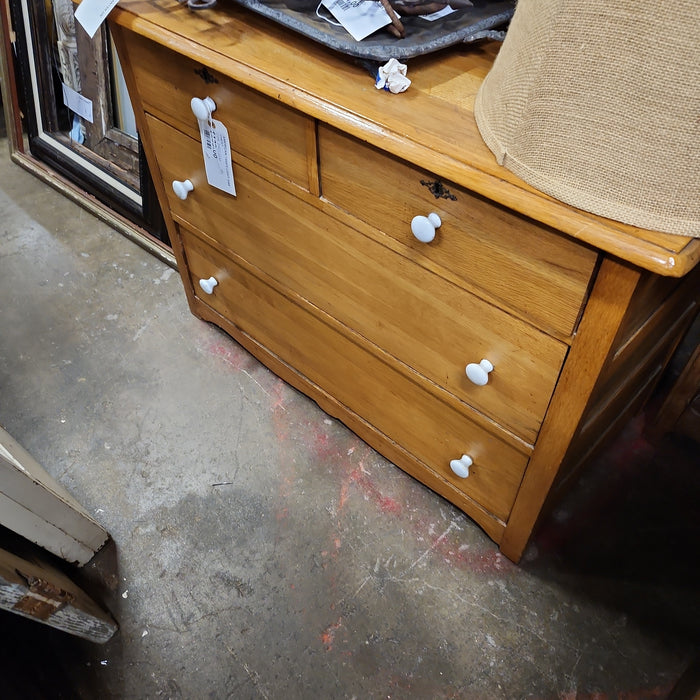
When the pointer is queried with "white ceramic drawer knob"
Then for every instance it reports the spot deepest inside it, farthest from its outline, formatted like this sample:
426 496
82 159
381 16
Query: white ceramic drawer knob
461 466
423 227
202 109
208 285
479 374
182 188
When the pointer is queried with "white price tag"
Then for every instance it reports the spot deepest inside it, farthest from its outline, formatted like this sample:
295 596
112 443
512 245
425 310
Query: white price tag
217 155
82 106
439 14
359 17
91 13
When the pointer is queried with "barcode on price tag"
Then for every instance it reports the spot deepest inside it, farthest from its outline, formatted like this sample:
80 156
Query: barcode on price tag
216 149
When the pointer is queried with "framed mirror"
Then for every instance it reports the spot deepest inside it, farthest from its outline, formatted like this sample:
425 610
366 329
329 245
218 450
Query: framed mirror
76 109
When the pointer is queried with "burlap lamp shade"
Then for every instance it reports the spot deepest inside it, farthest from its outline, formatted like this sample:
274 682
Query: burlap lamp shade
597 103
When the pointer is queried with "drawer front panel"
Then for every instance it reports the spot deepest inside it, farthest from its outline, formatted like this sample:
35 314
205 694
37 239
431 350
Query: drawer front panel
433 326
538 273
398 407
259 128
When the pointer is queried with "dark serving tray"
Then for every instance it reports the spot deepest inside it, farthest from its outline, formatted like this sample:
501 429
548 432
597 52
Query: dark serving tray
422 36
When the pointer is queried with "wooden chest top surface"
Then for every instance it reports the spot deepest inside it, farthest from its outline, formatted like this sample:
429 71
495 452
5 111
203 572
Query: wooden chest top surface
431 125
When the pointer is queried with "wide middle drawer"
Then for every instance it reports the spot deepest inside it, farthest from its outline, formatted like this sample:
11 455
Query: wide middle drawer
429 324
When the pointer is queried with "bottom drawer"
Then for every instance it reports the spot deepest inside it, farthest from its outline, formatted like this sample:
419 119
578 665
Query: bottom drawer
434 432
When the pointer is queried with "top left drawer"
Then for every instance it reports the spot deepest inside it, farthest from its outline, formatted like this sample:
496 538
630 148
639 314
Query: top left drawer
269 133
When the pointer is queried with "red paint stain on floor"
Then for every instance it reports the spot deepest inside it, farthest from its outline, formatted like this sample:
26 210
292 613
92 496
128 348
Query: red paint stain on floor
324 446
485 561
450 547
278 395
328 635
230 354
322 443
361 478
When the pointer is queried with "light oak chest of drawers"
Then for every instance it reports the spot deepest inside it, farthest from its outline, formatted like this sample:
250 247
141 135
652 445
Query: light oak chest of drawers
488 356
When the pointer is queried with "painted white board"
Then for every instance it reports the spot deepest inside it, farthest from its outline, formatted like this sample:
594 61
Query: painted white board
34 505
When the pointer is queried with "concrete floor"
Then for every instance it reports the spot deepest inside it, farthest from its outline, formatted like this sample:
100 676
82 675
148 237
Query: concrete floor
261 550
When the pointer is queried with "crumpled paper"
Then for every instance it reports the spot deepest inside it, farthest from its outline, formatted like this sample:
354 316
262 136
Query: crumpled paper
392 76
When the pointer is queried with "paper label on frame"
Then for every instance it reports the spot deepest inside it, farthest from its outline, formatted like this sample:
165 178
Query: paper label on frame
82 106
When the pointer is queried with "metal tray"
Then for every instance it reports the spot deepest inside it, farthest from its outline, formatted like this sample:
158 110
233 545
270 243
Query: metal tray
422 36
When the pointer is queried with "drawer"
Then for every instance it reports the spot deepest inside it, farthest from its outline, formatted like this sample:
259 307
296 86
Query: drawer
432 431
259 128
432 325
536 272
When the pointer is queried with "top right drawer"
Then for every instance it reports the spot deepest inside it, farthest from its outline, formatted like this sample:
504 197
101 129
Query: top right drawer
521 265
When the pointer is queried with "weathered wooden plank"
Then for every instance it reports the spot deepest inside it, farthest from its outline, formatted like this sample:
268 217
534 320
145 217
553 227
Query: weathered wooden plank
38 591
